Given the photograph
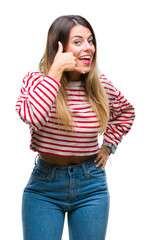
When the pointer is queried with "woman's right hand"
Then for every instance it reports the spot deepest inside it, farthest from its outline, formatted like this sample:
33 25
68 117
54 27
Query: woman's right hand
63 61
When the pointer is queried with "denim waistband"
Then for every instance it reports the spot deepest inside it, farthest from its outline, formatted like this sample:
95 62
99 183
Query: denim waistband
66 169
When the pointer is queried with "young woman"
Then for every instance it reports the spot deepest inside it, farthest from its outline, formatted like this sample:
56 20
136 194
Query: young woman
67 105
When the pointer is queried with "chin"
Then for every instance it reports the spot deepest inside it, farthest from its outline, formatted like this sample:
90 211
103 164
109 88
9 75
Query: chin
86 70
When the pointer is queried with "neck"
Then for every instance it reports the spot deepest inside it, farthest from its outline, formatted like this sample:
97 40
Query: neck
74 76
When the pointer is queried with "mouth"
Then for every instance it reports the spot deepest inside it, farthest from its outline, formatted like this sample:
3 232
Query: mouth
85 59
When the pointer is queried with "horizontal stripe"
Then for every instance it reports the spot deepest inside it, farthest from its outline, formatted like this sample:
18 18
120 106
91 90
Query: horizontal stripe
66 150
64 138
36 106
46 143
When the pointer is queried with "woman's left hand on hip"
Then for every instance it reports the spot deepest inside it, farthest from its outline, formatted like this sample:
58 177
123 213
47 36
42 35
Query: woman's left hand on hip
102 158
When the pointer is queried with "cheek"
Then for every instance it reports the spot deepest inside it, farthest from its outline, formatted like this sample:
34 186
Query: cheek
93 50
68 49
74 50
71 49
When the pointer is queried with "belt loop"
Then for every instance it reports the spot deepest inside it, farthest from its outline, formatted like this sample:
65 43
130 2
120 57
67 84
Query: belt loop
36 159
84 169
53 172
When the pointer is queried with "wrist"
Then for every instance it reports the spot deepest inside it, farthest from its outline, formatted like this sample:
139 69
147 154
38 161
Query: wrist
108 149
113 148
55 72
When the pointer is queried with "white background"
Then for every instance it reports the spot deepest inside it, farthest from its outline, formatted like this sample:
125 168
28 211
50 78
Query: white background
124 55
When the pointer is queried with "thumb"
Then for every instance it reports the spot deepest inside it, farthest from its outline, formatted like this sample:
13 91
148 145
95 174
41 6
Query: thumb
60 47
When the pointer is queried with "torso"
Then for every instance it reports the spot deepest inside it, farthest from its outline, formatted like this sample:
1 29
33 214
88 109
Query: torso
64 161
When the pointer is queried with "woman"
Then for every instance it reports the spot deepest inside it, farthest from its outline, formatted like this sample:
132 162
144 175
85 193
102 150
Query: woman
67 105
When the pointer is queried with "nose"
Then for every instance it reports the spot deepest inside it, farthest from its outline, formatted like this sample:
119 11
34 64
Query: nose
86 46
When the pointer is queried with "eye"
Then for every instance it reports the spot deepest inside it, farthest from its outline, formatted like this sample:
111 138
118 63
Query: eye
91 41
77 42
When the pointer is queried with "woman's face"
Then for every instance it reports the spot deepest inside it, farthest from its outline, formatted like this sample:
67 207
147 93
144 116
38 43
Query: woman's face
81 45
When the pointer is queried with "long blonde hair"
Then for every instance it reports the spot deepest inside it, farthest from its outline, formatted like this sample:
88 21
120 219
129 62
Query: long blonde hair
59 31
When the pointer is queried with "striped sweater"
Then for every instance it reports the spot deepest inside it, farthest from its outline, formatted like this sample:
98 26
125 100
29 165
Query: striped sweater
36 106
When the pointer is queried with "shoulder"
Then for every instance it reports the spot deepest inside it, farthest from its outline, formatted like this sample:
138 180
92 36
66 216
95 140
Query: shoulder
108 85
31 78
33 75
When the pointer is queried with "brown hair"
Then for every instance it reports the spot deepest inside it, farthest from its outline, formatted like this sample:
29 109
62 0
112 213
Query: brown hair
59 31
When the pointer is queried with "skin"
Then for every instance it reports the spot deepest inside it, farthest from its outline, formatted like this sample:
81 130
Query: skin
80 43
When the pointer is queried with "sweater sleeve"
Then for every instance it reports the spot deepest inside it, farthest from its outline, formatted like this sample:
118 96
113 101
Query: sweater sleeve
121 115
37 95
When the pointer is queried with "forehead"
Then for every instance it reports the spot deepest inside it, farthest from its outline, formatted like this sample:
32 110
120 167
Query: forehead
80 30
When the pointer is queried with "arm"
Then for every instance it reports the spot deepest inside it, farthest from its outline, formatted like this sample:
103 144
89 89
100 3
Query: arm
35 101
121 118
39 93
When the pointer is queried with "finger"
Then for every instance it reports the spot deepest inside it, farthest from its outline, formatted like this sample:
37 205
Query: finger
102 161
98 158
60 48
79 70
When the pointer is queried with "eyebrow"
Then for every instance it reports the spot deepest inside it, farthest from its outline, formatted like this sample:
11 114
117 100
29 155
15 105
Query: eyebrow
81 36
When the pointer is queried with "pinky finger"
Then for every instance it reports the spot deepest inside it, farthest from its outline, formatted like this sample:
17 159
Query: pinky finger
79 70
104 163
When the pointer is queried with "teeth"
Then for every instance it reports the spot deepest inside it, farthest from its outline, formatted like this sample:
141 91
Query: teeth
85 57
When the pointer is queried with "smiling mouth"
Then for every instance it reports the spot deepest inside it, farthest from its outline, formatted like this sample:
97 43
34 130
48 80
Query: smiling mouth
85 59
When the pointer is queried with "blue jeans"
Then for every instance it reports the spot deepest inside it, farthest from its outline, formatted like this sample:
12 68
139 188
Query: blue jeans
80 190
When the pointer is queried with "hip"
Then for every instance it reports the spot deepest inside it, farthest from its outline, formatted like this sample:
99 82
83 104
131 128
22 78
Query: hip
68 183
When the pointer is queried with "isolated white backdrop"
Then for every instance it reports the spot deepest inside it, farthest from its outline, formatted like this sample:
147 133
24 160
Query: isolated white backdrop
124 55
